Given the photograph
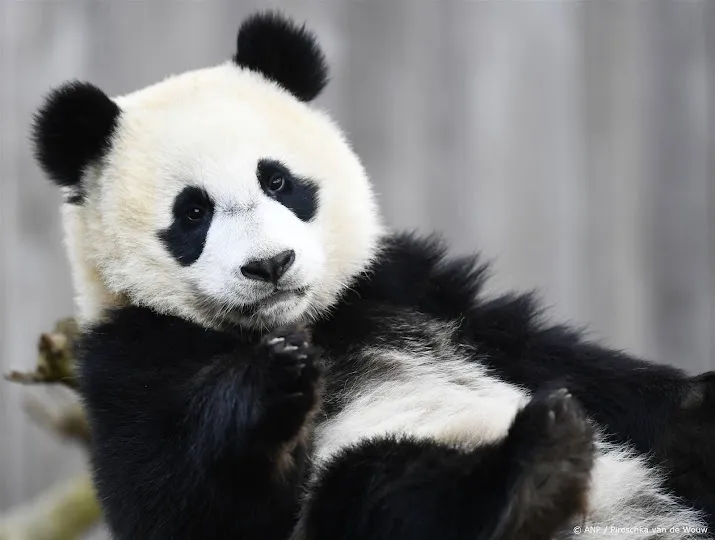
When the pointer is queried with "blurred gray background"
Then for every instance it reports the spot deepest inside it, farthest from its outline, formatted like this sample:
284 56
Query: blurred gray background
570 141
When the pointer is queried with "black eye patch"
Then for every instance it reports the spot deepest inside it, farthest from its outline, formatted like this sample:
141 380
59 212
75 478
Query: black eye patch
297 194
186 236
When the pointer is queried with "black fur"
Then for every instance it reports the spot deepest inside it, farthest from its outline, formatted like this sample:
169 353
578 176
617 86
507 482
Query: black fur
527 486
186 236
276 47
197 434
658 409
299 195
686 443
73 128
178 407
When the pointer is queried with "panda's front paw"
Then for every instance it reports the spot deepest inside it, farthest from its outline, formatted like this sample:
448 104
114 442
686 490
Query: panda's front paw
292 382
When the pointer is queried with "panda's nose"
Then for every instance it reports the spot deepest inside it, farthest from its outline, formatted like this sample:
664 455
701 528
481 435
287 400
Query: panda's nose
270 269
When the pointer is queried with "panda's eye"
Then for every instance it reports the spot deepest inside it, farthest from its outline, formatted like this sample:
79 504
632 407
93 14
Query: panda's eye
195 213
276 183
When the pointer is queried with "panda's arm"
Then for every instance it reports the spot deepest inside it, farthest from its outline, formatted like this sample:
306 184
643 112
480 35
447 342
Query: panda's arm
196 434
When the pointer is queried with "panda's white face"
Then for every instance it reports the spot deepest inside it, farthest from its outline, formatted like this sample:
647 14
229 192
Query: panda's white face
222 199
219 195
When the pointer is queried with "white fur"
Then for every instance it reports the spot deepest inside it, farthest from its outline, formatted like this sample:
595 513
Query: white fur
437 393
209 128
443 399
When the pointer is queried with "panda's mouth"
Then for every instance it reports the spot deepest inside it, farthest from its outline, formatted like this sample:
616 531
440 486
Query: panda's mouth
280 295
268 305
273 299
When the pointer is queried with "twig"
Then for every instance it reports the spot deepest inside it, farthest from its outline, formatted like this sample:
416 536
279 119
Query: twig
67 511
56 359
69 422
64 512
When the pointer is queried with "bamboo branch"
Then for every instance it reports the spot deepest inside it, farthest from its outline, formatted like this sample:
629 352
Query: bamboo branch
64 512
69 510
69 423
56 361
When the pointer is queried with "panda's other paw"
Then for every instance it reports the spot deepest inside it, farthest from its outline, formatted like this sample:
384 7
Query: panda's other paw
292 382
557 427
556 442
551 443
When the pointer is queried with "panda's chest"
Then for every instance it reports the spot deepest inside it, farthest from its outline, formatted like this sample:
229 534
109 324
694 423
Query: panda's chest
424 389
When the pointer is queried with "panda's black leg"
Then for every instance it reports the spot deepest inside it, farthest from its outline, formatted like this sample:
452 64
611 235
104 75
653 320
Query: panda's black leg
523 487
551 449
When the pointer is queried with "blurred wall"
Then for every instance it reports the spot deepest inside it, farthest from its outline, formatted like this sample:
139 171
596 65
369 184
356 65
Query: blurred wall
572 142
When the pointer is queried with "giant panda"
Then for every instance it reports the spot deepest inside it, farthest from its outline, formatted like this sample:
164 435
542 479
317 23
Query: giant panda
262 358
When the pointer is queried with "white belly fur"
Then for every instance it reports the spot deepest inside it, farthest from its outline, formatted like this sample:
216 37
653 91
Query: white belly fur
457 401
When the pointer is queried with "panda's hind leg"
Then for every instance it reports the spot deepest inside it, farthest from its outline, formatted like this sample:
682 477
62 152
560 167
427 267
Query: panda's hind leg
526 486
551 447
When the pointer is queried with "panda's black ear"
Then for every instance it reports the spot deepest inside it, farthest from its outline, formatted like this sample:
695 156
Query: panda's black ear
284 52
72 129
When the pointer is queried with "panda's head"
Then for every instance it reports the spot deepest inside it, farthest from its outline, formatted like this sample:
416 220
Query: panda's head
219 195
